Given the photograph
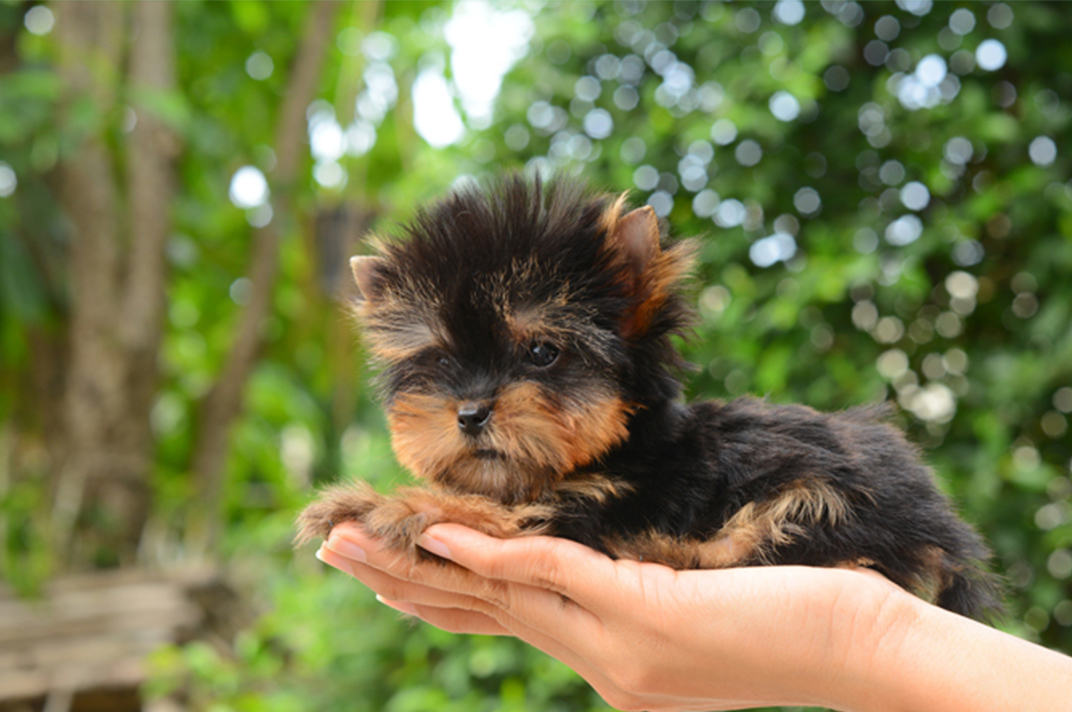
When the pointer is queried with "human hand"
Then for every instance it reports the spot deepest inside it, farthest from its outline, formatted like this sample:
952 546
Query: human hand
643 635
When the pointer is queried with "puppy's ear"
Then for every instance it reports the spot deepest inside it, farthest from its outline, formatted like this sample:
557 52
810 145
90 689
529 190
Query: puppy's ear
636 239
650 273
364 269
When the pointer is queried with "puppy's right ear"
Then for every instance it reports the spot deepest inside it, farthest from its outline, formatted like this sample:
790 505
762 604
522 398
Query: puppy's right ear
364 269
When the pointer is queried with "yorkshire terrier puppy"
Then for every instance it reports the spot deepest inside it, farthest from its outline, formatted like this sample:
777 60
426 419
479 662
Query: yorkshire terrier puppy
528 374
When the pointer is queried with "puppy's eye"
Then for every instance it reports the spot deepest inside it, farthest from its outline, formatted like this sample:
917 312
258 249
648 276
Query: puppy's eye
542 353
436 358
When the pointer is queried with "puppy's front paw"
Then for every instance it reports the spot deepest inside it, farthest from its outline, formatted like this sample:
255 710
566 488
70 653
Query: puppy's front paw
397 521
352 502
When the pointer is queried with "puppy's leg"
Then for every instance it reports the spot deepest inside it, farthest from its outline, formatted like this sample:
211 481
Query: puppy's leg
751 536
400 519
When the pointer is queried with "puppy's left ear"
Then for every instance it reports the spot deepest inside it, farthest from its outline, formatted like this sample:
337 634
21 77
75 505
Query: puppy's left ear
650 273
364 269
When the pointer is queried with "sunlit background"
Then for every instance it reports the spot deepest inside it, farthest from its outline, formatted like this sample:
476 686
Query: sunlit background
882 193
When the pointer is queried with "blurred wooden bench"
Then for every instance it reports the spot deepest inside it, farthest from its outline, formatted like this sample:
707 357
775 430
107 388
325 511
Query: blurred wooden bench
86 638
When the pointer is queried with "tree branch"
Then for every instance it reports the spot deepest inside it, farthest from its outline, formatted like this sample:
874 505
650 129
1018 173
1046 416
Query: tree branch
150 181
224 401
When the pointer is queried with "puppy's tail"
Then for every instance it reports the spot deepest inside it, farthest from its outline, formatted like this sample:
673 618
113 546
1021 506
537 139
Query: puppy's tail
970 590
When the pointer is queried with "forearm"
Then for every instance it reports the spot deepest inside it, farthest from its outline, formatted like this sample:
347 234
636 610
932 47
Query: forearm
928 659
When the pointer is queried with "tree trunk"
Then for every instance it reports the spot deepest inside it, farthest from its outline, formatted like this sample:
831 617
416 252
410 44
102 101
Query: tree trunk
117 283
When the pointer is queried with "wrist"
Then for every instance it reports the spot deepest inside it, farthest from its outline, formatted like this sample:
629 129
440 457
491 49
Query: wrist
883 655
871 633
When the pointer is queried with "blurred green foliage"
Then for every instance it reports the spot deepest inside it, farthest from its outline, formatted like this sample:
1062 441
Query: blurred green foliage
885 210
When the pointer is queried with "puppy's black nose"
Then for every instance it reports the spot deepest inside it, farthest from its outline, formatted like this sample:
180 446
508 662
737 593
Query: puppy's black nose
472 417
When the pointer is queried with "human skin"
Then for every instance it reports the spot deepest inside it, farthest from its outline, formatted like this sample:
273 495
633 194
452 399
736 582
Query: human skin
647 637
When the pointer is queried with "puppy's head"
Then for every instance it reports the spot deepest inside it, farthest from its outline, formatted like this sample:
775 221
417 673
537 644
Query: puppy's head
518 327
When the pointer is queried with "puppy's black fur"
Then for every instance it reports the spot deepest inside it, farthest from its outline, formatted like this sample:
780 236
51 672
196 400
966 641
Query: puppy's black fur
528 374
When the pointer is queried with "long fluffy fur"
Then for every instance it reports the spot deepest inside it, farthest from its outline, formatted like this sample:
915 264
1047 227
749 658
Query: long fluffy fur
489 283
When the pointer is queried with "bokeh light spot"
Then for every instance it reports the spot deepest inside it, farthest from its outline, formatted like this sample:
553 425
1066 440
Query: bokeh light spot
958 150
961 285
360 137
788 12
916 7
516 137
915 196
784 106
327 141
8 180
434 115
723 132
598 123
240 291
887 28
1062 399
259 66
904 230
249 188
892 172
931 70
485 42
999 16
747 20
378 46
662 202
705 203
646 177
39 20
807 201
990 55
962 21
626 98
891 364
330 174
836 78
588 88
778 247
730 213
1043 151
748 153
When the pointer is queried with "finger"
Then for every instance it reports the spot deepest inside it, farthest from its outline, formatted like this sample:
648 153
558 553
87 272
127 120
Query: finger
454 620
404 597
361 550
537 607
558 565
468 619
386 585
478 616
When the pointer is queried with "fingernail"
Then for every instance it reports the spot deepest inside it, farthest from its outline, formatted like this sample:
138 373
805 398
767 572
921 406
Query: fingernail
399 606
434 546
344 547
